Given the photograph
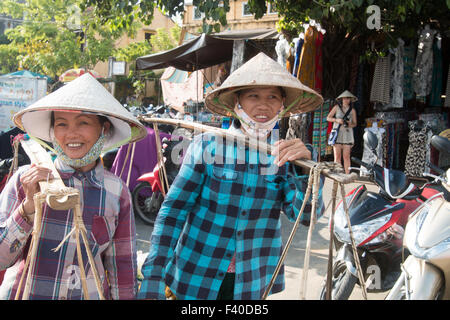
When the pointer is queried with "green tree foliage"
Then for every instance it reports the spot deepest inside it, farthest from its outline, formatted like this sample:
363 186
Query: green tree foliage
8 58
345 22
161 41
55 36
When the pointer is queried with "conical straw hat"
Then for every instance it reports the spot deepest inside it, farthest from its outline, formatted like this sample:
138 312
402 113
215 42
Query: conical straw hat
262 70
347 94
82 94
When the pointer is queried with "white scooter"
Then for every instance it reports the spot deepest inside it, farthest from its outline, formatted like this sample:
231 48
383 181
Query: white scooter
426 272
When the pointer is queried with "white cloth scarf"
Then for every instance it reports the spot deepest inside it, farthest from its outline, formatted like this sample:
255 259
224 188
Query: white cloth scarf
253 128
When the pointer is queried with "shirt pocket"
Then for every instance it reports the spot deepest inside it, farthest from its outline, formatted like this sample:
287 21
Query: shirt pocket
274 186
223 183
101 229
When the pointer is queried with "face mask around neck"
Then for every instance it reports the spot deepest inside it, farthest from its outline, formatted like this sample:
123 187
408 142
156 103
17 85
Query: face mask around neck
253 128
92 155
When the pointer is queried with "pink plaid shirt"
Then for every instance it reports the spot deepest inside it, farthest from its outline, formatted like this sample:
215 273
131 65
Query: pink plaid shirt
109 220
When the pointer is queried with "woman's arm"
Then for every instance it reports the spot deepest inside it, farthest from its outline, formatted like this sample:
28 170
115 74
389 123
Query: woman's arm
14 229
120 257
354 122
331 118
179 201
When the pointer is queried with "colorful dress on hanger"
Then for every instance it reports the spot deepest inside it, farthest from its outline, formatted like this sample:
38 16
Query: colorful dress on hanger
298 53
307 67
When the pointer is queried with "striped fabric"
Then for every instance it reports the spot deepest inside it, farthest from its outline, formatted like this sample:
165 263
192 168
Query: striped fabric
320 127
109 220
216 210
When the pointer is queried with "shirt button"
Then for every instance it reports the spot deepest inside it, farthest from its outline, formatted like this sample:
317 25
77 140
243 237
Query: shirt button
239 233
221 274
249 189
228 255
244 213
252 166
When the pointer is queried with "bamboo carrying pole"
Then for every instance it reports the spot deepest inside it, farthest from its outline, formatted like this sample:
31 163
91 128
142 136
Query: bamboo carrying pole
330 245
160 162
250 142
327 169
58 197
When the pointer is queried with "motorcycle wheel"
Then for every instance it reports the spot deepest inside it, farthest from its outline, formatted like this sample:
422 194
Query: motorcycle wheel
342 283
146 206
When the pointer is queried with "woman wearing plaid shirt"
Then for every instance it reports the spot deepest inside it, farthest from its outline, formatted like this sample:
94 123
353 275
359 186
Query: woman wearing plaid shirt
218 233
81 119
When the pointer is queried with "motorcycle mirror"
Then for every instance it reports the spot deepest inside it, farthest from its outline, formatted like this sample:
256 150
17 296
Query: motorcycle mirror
371 140
441 143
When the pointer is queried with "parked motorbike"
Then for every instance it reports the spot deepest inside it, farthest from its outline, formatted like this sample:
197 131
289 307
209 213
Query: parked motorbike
377 221
426 272
147 195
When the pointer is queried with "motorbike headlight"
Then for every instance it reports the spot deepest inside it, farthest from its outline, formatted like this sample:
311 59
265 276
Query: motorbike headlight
360 231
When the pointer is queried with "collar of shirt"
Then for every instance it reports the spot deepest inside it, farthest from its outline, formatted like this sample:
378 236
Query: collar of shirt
95 176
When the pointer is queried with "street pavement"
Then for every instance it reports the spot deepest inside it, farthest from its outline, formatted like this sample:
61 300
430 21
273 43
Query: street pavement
294 261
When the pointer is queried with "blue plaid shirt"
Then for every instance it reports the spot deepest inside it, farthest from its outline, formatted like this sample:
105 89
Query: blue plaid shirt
217 207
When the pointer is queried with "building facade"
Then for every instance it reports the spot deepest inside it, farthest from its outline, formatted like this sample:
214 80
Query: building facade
159 21
238 18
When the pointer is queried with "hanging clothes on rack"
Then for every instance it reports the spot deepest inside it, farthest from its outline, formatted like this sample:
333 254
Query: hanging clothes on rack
282 49
298 51
435 120
381 81
447 90
418 150
318 81
397 71
306 69
436 79
424 64
409 53
395 132
320 127
297 125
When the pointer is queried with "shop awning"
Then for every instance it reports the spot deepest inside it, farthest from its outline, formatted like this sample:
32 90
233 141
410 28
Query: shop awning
203 51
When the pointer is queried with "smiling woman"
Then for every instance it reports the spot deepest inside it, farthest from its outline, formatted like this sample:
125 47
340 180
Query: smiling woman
79 137
81 119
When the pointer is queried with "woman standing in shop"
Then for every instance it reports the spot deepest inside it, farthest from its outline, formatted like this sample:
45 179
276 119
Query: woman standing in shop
343 116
